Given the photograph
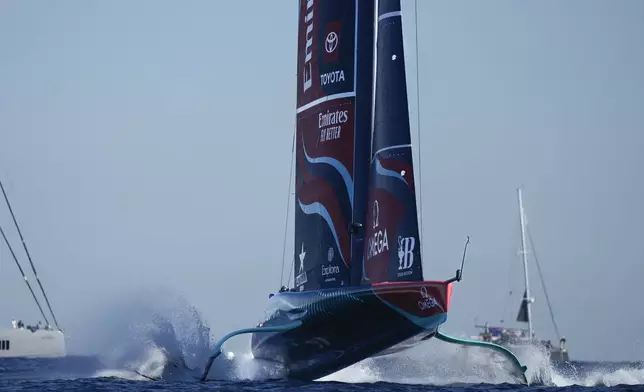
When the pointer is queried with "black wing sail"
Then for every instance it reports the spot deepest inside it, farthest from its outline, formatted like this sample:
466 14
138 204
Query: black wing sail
392 248
331 139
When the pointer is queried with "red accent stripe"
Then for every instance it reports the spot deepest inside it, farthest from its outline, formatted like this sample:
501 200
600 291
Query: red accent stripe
448 298
412 282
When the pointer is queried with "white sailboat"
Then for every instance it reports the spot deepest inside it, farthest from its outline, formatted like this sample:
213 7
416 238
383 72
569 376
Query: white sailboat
516 337
32 343
27 341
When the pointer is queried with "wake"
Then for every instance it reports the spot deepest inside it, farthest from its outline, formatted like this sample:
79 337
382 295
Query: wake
157 335
438 364
162 336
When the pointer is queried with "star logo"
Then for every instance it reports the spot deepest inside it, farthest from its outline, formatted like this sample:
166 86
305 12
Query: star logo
302 255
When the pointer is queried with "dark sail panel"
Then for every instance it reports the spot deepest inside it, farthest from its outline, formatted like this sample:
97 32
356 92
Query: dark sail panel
522 317
325 143
392 244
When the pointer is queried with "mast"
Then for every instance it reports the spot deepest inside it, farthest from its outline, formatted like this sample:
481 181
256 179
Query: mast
33 268
365 71
22 272
527 299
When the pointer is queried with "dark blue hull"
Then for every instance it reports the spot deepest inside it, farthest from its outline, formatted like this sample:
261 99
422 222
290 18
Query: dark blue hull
341 327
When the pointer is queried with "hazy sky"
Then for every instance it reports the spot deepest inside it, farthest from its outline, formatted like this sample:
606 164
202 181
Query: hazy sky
148 144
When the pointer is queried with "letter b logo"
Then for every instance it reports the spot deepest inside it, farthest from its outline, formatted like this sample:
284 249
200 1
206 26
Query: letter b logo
406 252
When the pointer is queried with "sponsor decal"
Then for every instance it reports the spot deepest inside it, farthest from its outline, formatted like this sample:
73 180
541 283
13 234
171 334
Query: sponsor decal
375 214
308 48
332 36
331 42
331 54
302 255
328 272
330 254
379 241
406 252
301 278
332 118
427 301
330 124
332 77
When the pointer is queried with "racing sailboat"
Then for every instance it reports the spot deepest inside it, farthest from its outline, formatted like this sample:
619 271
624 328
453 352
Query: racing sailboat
359 289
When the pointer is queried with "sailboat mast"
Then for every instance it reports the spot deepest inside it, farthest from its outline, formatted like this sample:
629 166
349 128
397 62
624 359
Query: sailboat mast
524 256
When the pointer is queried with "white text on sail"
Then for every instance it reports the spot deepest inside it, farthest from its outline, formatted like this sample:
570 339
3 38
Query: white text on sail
308 50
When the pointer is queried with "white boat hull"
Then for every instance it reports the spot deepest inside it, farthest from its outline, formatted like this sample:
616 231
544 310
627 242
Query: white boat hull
22 343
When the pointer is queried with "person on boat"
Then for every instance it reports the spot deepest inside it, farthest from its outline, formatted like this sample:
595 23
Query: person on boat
14 323
21 325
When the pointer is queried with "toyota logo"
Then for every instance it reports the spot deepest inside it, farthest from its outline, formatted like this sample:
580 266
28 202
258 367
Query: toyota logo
331 42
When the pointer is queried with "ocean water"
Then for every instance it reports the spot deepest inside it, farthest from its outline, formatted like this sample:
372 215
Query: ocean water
87 373
131 339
